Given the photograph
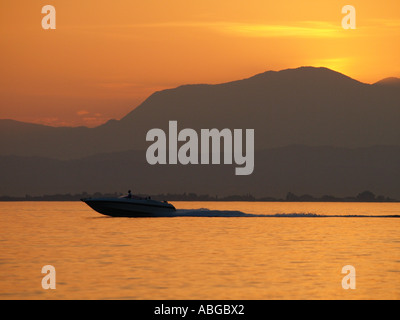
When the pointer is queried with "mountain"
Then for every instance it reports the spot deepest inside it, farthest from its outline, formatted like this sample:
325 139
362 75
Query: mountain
316 132
299 169
304 106
389 82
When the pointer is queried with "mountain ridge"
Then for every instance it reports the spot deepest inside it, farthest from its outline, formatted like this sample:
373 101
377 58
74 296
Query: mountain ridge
306 105
390 81
299 169
262 74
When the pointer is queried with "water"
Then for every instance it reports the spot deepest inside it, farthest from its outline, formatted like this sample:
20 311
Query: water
201 254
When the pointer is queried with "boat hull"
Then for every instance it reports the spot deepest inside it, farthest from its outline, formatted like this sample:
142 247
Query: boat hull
130 207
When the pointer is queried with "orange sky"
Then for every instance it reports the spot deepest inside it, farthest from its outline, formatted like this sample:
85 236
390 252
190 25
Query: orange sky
105 57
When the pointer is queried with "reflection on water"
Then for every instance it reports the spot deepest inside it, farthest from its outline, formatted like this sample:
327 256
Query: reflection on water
191 257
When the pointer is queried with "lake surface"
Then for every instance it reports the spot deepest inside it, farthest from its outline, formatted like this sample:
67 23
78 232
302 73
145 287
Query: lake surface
264 250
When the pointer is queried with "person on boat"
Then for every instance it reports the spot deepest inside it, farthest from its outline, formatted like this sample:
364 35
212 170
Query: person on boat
129 196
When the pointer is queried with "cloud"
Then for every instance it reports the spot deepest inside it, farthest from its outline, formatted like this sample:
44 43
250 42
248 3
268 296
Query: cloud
293 29
389 23
82 112
307 29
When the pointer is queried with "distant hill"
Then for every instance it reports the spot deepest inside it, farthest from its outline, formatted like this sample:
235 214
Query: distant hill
307 106
317 132
302 170
389 82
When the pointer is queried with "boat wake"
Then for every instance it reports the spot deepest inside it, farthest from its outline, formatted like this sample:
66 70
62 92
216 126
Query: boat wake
203 212
209 213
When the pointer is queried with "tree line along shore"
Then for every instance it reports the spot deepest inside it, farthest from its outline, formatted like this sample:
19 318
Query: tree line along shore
365 196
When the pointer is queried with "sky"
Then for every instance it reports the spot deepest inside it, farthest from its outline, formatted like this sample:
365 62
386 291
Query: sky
106 57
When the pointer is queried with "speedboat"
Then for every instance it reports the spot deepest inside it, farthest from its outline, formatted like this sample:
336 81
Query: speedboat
130 207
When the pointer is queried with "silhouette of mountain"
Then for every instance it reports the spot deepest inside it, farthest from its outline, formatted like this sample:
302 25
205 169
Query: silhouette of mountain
391 81
308 106
299 169
317 132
